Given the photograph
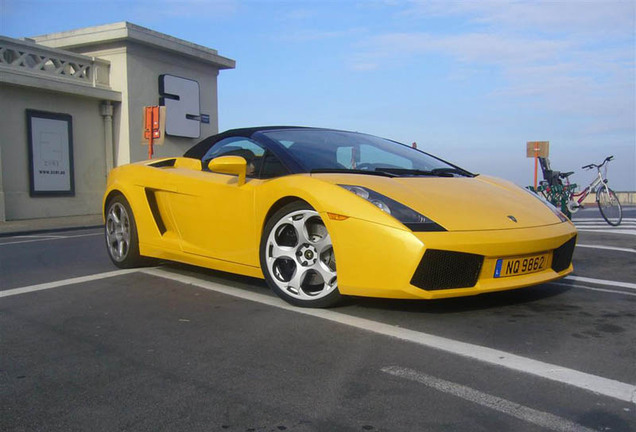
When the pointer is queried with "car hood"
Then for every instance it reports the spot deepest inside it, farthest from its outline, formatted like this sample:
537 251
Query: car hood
459 203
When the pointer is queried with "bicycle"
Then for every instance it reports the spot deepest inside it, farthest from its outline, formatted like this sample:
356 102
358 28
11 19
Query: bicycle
557 189
606 199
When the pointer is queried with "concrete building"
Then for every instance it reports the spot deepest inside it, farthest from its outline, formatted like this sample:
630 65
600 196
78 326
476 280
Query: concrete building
72 108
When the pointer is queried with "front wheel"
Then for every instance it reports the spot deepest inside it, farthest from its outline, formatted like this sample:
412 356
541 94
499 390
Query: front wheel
297 257
609 206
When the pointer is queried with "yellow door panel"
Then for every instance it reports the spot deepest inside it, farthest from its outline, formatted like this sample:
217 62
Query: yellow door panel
214 216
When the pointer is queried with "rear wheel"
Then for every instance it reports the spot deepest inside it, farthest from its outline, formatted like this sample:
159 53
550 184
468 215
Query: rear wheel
297 257
609 206
122 242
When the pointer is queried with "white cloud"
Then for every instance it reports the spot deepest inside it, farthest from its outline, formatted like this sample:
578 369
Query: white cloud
578 16
564 69
470 47
308 35
589 72
153 9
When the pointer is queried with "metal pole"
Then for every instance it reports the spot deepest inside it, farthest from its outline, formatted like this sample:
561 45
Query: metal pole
151 139
536 156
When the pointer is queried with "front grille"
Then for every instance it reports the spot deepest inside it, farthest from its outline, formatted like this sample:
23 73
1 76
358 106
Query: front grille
562 256
441 269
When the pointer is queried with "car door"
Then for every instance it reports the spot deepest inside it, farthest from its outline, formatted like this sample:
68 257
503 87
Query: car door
213 214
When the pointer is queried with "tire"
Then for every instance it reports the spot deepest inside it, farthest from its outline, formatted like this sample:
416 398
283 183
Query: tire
609 206
297 257
120 230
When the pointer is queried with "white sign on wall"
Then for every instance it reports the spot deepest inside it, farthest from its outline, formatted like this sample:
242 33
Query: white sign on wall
181 99
50 153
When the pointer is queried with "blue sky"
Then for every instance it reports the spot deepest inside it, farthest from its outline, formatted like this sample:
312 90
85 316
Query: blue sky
469 81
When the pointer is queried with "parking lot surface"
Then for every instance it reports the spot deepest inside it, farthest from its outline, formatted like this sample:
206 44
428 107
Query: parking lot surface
85 346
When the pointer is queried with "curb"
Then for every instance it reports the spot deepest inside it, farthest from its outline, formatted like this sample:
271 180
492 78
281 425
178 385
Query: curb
48 230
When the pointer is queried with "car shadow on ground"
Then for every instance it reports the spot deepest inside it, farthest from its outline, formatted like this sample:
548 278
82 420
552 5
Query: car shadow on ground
230 279
465 304
442 306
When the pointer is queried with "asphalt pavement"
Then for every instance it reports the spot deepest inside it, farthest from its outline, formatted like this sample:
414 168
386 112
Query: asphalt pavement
86 346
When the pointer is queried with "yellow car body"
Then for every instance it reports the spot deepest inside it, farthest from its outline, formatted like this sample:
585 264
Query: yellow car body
185 213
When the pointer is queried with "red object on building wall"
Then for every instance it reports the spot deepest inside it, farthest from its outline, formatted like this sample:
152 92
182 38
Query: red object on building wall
154 126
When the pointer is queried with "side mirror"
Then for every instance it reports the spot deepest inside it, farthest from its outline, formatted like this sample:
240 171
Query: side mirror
234 165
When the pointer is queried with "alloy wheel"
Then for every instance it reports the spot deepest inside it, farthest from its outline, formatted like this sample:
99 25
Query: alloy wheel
118 232
300 257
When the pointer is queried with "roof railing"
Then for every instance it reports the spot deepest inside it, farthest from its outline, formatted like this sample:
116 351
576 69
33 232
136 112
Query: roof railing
29 57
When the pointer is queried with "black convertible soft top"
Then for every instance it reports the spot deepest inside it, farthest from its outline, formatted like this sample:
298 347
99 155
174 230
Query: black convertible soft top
199 149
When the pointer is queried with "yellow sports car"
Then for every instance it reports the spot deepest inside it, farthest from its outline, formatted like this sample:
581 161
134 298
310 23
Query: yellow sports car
288 203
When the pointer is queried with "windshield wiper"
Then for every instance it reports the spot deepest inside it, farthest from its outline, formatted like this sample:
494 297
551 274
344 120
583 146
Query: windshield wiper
453 171
437 172
351 171
414 172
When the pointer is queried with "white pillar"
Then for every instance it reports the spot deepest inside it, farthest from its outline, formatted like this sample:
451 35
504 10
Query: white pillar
107 113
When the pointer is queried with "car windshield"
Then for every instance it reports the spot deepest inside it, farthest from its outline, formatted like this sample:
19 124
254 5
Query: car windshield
336 151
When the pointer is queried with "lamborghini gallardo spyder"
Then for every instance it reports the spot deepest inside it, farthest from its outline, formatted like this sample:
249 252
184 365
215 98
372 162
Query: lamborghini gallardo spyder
322 214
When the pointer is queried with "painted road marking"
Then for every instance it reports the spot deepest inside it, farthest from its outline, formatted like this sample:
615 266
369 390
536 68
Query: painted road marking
542 419
602 282
592 289
50 238
607 248
38 236
603 386
628 225
602 222
599 225
609 231
599 219
606 227
599 385
605 224
61 283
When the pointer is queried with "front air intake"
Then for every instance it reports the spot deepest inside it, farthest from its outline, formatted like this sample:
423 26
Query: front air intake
562 256
441 269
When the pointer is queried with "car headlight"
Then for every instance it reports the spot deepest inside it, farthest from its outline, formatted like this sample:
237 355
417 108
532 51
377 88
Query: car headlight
407 216
548 204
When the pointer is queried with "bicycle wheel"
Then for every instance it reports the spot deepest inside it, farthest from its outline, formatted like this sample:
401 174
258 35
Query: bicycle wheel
609 206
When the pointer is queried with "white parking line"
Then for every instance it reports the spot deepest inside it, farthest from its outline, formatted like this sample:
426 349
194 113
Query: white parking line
38 236
627 226
607 248
604 386
61 283
605 227
593 289
602 282
609 231
599 385
602 223
542 419
599 219
605 224
51 238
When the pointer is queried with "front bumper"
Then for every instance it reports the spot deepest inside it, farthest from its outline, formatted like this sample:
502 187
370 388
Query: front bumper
379 261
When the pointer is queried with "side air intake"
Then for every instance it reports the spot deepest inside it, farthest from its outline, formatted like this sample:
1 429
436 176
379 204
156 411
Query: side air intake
562 256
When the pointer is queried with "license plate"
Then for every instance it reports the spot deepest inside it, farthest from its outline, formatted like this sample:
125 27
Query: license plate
517 266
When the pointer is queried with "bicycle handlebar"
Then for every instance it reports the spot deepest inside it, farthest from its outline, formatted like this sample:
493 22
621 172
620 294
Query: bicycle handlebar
590 166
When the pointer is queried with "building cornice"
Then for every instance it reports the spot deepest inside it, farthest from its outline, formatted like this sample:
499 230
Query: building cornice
128 32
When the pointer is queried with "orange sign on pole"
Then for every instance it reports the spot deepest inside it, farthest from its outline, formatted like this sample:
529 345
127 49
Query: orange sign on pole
153 127
537 149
